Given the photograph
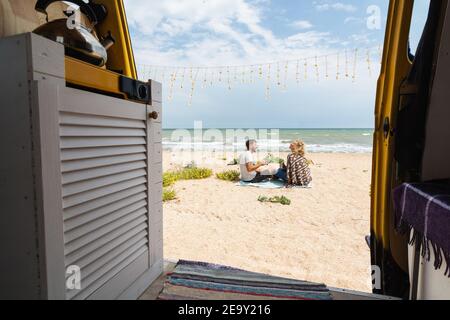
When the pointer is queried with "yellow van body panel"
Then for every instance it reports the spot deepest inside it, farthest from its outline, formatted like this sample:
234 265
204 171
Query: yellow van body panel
395 68
120 56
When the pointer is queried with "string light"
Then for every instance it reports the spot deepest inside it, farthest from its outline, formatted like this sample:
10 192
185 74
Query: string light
211 76
205 80
172 83
316 66
249 74
193 82
278 74
346 64
147 74
286 73
306 69
182 78
268 82
369 63
252 75
338 67
355 62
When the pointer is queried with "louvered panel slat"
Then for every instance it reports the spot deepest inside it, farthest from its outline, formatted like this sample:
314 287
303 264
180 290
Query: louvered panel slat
114 238
107 273
129 237
101 192
83 186
99 121
94 142
79 154
76 165
138 216
87 174
104 165
109 200
83 131
101 222
93 215
91 268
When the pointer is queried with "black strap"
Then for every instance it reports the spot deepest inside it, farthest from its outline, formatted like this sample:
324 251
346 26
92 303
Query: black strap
96 13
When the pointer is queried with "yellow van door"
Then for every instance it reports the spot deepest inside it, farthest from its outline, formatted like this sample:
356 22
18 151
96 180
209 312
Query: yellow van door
386 246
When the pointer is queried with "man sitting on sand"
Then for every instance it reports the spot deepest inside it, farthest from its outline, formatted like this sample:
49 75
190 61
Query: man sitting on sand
250 168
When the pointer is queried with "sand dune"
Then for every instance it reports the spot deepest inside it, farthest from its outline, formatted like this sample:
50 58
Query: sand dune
320 237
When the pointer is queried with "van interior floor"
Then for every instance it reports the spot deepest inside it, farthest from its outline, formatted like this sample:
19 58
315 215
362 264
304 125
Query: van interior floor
187 280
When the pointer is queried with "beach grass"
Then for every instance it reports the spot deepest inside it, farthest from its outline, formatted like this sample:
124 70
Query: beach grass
230 175
169 195
281 200
194 174
171 177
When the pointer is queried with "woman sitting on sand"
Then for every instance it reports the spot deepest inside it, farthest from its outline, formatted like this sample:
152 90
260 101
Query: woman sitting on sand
296 172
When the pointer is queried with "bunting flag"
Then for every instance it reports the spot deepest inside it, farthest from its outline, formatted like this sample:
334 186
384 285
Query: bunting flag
187 79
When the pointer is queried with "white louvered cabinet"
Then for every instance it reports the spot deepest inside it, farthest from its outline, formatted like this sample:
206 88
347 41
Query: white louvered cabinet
81 182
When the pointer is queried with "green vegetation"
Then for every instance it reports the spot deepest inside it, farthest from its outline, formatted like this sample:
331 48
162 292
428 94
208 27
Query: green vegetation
282 200
194 174
171 177
231 175
271 159
234 162
169 195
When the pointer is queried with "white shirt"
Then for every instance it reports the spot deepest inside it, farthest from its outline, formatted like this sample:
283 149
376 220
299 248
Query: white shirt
244 159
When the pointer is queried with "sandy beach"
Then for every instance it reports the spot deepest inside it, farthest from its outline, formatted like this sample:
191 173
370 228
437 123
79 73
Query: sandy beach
319 237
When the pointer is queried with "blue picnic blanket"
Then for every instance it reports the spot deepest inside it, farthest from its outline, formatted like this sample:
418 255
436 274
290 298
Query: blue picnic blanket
275 184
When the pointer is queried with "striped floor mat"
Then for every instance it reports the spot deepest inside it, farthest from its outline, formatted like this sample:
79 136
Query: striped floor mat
203 281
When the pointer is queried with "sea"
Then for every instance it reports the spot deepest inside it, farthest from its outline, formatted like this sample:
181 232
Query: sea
271 140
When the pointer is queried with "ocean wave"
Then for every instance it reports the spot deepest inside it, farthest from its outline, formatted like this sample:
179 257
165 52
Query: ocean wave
266 145
339 148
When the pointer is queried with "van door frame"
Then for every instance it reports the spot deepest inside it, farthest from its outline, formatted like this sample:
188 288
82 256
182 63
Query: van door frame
386 246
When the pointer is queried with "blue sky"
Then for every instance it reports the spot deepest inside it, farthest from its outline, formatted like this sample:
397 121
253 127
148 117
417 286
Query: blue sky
215 33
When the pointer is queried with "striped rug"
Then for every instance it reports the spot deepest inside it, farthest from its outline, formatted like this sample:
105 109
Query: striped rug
203 281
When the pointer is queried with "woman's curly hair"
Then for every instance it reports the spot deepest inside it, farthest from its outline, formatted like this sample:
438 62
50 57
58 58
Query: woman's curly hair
299 148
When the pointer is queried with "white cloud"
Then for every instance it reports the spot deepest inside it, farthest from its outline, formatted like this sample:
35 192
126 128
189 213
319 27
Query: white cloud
198 25
308 39
337 6
354 20
362 38
219 32
302 24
